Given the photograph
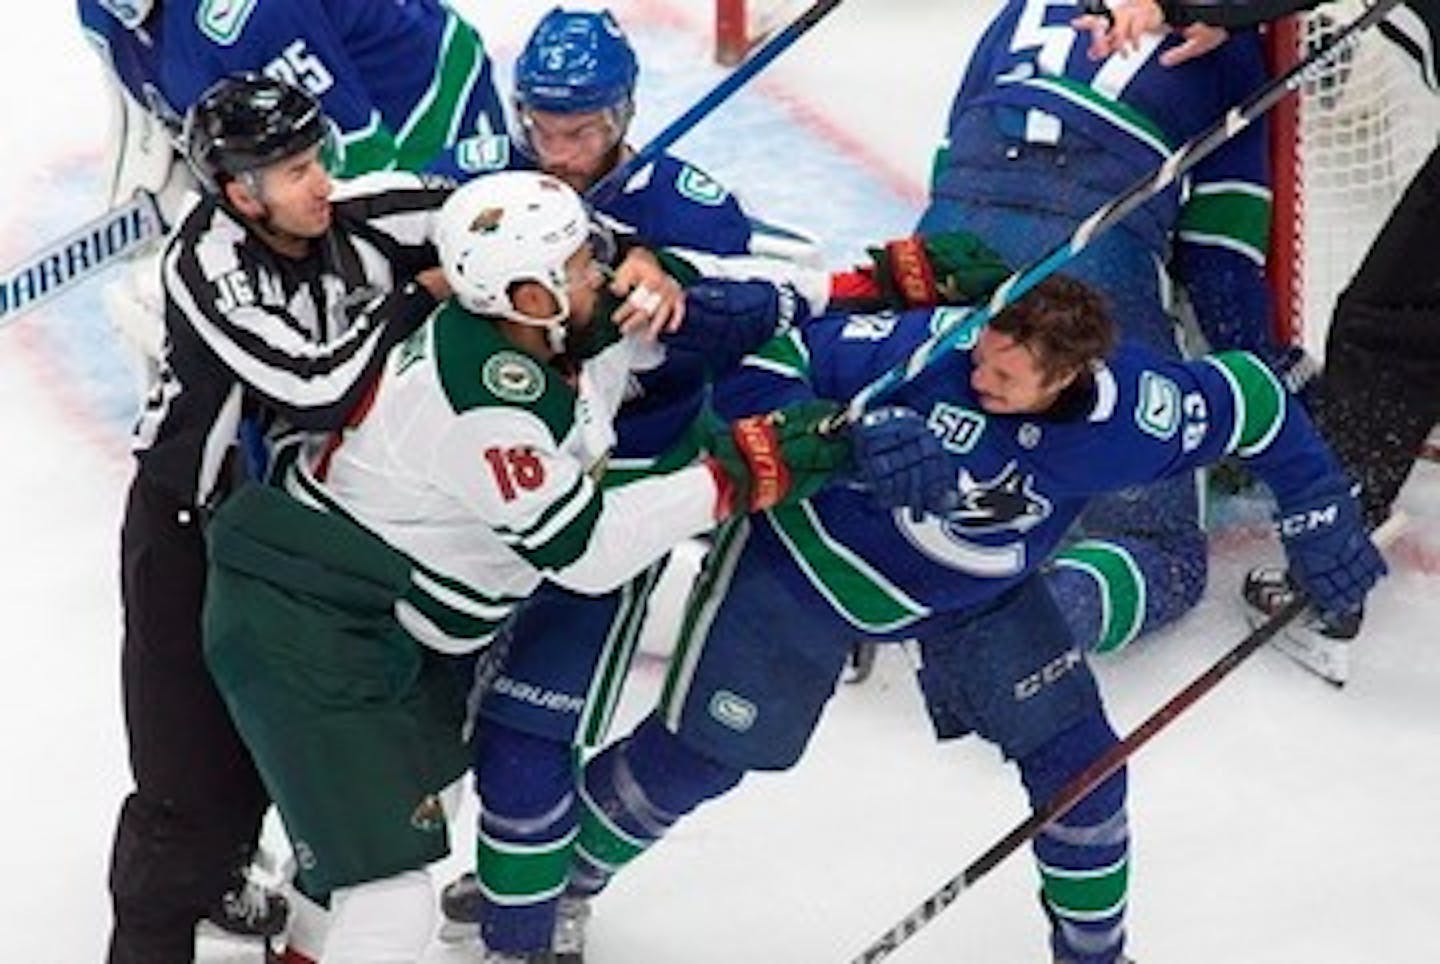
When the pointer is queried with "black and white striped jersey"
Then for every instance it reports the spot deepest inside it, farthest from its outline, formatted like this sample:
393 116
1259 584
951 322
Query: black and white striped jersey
248 326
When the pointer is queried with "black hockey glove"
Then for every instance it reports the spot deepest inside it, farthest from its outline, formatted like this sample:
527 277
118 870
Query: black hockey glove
1331 556
725 320
902 463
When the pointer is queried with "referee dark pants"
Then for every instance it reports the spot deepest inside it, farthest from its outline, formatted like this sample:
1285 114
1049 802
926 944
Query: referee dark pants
1380 393
195 813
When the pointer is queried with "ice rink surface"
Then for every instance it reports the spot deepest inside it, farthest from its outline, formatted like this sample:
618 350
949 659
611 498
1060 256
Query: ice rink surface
1278 822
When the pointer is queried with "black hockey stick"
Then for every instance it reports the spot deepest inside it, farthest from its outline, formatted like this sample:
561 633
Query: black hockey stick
956 330
1096 773
605 188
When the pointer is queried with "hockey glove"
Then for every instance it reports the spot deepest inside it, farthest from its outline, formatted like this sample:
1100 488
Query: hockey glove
726 320
1331 556
776 458
900 460
951 268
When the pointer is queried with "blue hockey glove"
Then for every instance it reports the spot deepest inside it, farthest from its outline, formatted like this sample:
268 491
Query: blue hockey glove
1331 556
900 460
726 320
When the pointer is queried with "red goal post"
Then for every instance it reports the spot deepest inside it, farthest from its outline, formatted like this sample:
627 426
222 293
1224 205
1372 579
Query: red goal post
741 24
1343 149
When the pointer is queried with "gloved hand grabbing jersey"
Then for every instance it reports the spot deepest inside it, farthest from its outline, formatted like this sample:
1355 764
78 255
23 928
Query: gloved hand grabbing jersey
725 320
902 463
777 458
1331 556
951 268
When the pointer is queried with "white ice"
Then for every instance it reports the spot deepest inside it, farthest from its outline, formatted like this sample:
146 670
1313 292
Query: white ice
1276 822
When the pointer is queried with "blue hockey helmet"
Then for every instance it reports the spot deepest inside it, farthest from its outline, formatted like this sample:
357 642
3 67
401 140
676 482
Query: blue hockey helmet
247 121
577 61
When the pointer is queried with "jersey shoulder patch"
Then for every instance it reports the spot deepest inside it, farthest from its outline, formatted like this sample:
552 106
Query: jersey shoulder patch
224 20
695 185
479 368
1157 407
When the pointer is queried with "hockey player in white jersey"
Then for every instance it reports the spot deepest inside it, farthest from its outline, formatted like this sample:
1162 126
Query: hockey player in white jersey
466 477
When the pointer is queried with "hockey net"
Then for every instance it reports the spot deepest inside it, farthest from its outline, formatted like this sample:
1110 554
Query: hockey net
741 24
1343 151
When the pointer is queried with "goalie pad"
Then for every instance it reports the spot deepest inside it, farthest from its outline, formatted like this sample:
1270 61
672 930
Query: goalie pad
135 306
142 155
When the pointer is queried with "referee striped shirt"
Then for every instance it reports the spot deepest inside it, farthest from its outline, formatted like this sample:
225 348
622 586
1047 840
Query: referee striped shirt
301 338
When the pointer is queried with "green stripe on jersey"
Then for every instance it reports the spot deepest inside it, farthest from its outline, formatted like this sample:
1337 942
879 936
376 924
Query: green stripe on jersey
621 471
618 652
1117 114
568 542
1232 215
1259 400
1086 895
860 594
511 873
1121 586
434 121
371 148
785 355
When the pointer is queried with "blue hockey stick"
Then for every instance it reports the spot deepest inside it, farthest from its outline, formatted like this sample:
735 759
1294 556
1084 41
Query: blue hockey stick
959 329
606 187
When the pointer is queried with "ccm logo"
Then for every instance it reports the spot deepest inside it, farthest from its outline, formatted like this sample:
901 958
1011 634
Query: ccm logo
1047 674
1310 519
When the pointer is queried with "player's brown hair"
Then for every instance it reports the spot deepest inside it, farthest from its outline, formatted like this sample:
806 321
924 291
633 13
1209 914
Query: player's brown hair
1065 323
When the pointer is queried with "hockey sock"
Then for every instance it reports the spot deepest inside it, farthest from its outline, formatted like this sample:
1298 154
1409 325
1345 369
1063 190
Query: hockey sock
1084 856
632 793
387 921
528 823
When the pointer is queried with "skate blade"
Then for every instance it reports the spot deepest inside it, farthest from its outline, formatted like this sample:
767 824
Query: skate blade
1328 659
215 945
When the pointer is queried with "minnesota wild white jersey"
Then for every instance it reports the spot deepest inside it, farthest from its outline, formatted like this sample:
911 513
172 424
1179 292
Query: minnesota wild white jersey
481 463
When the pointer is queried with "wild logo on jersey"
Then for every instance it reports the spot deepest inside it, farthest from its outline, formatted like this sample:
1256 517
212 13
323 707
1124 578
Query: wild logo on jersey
1004 503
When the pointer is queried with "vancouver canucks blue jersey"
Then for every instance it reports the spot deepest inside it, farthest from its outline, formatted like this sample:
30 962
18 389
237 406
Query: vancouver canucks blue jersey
1022 479
407 82
1031 73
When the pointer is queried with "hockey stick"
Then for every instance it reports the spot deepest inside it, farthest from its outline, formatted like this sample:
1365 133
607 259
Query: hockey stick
84 252
605 188
958 329
1097 772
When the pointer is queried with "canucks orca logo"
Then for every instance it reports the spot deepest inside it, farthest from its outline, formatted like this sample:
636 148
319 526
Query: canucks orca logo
1008 501
1006 504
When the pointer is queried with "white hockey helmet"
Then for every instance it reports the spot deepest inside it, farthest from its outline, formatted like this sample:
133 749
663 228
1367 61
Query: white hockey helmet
505 228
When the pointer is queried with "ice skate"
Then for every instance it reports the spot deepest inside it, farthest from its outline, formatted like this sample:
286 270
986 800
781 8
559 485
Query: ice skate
460 906
249 909
1320 644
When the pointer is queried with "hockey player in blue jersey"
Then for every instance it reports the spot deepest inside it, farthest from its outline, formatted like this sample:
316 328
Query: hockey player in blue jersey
569 653
979 466
407 82
1039 137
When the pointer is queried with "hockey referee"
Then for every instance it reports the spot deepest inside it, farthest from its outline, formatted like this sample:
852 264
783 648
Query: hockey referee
283 293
